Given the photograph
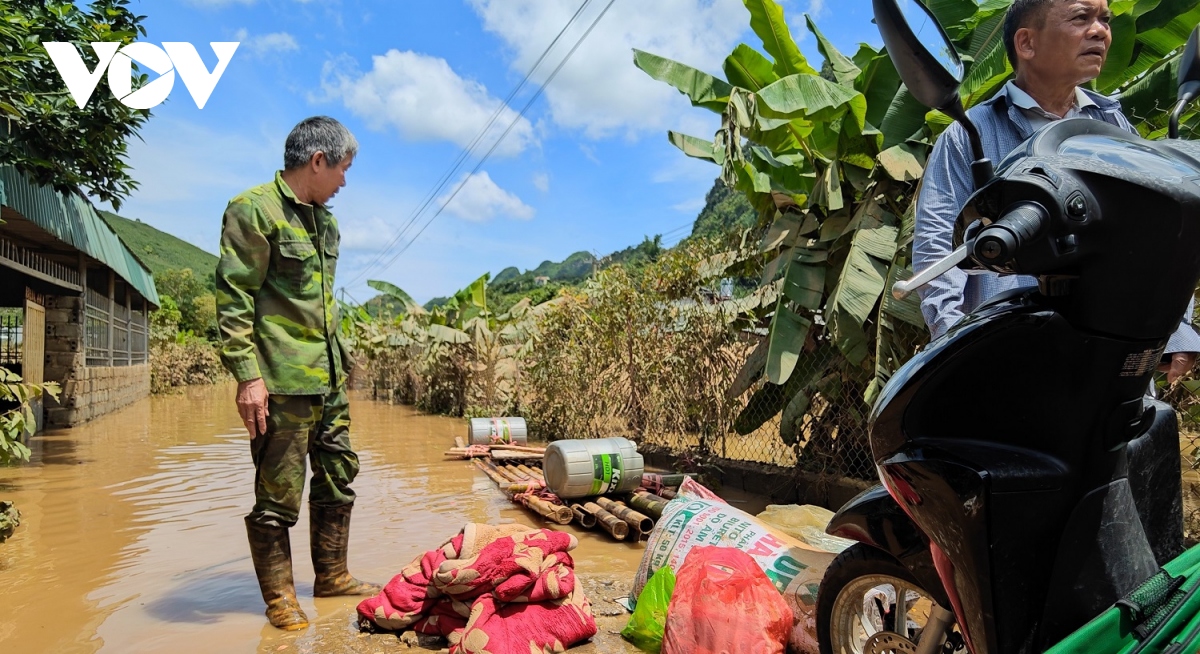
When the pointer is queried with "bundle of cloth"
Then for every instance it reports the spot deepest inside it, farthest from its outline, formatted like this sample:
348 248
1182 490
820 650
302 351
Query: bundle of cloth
489 590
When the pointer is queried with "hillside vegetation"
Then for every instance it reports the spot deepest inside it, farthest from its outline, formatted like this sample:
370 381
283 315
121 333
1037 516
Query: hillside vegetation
724 211
159 250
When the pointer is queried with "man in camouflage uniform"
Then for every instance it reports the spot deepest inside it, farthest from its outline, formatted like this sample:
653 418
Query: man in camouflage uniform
278 320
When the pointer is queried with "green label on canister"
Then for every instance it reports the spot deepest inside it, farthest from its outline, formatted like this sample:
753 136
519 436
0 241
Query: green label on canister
606 473
500 432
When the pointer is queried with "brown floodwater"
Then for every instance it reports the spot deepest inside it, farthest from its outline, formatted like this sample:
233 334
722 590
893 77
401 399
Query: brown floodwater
132 537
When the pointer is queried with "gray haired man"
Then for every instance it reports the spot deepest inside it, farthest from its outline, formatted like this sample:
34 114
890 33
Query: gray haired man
279 329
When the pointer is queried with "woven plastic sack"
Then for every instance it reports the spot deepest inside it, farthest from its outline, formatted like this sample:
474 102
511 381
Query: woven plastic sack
725 603
805 523
795 567
645 628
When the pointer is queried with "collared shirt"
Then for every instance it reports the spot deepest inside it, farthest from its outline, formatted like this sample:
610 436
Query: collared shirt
274 283
1038 117
947 184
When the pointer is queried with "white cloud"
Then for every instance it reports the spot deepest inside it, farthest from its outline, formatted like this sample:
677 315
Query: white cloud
675 169
425 100
480 199
600 91
541 181
799 28
181 190
364 234
816 8
261 44
589 152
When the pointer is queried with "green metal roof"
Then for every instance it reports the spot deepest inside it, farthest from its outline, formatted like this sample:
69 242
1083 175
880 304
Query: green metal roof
73 220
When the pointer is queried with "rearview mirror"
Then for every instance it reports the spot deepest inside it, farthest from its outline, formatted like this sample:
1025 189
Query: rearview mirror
1189 81
929 66
921 51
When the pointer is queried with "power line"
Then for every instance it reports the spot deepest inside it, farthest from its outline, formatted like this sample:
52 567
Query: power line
462 156
676 230
498 141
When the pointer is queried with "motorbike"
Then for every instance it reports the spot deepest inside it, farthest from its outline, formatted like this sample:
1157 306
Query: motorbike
1008 516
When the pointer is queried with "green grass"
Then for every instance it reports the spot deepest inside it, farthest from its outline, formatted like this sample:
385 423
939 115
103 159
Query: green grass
159 250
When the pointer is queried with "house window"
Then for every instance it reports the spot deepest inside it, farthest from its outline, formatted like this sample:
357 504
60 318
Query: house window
96 320
11 336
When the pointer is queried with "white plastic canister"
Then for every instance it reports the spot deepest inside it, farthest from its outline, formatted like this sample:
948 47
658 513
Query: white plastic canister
593 466
488 431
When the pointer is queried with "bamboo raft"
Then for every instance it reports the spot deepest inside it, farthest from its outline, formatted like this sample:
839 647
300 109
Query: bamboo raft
498 452
516 471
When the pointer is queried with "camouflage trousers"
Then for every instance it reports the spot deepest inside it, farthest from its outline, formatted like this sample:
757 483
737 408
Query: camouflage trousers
300 426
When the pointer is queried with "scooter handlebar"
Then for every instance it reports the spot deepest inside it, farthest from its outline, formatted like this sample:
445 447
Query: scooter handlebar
995 244
903 289
999 242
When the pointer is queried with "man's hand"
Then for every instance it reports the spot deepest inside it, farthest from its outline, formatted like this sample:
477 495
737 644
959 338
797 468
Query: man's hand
1181 364
252 406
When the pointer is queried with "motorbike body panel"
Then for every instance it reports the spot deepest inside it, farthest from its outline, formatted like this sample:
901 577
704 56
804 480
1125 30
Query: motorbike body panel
1006 440
872 517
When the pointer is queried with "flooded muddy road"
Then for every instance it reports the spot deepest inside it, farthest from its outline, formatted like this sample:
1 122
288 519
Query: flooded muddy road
132 537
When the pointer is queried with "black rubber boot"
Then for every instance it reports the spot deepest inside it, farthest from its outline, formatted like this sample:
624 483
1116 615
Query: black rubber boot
271 550
329 531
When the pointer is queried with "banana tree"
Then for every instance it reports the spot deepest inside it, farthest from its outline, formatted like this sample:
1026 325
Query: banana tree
455 358
832 159
390 291
502 345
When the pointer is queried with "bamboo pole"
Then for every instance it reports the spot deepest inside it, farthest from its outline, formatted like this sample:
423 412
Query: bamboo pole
459 442
585 519
532 473
506 455
636 521
648 503
515 470
615 527
495 450
517 448
650 478
464 454
669 493
500 471
516 479
492 474
524 468
554 512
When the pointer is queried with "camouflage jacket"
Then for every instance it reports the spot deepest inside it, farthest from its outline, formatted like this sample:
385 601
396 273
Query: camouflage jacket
274 284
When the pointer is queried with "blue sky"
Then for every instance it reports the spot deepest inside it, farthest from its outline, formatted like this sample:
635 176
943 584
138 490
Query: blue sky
587 168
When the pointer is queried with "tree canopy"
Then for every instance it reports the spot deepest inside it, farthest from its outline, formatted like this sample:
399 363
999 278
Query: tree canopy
45 134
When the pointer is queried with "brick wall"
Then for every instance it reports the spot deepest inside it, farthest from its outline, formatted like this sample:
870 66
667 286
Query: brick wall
97 391
87 392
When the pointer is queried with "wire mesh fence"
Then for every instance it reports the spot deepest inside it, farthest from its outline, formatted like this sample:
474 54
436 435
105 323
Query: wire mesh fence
1190 445
832 436
1185 398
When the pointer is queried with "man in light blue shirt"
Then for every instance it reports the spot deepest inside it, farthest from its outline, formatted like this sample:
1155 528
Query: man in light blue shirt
1054 46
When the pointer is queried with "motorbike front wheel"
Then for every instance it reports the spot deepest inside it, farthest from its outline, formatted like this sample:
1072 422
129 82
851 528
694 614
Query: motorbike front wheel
870 604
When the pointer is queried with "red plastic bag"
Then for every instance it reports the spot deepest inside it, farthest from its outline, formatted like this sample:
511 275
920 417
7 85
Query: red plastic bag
724 604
